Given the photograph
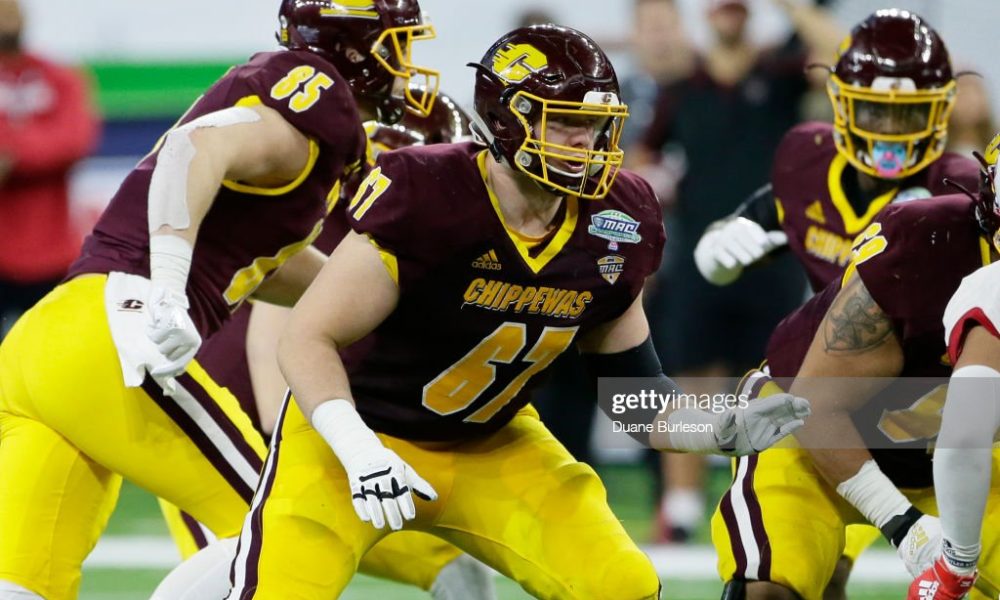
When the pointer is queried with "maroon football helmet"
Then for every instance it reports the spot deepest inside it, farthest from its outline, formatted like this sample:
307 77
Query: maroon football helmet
370 43
446 124
538 76
892 91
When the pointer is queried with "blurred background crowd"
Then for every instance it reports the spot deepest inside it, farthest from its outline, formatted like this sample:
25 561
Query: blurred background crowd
711 86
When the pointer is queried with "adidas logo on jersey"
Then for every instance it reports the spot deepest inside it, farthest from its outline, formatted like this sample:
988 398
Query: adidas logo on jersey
815 212
488 261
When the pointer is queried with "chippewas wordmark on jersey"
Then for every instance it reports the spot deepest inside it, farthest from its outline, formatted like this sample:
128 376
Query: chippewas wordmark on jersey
502 296
827 245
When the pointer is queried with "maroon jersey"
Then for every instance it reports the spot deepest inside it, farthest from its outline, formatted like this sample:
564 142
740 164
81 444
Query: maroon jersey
248 231
481 310
918 254
813 192
224 354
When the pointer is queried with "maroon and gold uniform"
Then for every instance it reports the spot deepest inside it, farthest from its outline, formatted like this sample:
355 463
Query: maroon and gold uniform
470 288
268 221
819 203
481 312
224 359
911 260
62 393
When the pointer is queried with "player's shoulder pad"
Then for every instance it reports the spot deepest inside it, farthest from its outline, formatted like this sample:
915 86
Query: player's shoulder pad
307 91
910 255
929 222
634 196
802 143
633 192
414 191
956 167
803 147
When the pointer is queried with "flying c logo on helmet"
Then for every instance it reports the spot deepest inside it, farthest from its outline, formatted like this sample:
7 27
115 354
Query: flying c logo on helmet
515 62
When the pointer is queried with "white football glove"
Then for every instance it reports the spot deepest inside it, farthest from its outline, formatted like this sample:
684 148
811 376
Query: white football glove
921 545
729 245
172 330
380 481
744 431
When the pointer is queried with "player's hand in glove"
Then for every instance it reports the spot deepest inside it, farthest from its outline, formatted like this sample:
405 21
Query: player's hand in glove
939 582
921 544
728 246
172 330
763 423
381 482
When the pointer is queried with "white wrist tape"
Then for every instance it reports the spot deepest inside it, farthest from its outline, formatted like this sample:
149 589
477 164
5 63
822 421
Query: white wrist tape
874 495
343 429
168 186
693 430
169 261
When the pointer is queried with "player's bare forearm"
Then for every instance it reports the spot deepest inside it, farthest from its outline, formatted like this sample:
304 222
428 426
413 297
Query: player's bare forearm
290 281
313 369
350 297
627 331
267 322
855 344
980 348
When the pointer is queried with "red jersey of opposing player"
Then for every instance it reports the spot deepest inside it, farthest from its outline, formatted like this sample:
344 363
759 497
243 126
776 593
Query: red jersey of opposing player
482 310
818 200
911 260
271 224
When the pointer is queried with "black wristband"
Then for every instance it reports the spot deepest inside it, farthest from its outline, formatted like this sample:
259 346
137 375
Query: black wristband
897 527
639 361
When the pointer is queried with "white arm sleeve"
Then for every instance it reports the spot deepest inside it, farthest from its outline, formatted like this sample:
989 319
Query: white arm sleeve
963 455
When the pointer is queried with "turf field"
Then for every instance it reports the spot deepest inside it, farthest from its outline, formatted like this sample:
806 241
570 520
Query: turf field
135 553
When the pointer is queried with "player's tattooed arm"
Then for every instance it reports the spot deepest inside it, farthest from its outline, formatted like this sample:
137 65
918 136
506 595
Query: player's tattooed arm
855 324
853 356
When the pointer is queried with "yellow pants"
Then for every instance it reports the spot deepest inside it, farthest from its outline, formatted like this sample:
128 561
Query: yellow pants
781 522
70 429
515 500
857 538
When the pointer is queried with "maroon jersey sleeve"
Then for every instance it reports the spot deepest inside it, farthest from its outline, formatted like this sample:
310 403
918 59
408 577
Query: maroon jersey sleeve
641 199
385 209
308 93
913 257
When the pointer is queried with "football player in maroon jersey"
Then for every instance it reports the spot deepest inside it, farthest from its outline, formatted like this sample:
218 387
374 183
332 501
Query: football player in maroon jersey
864 455
469 271
92 381
240 359
892 90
